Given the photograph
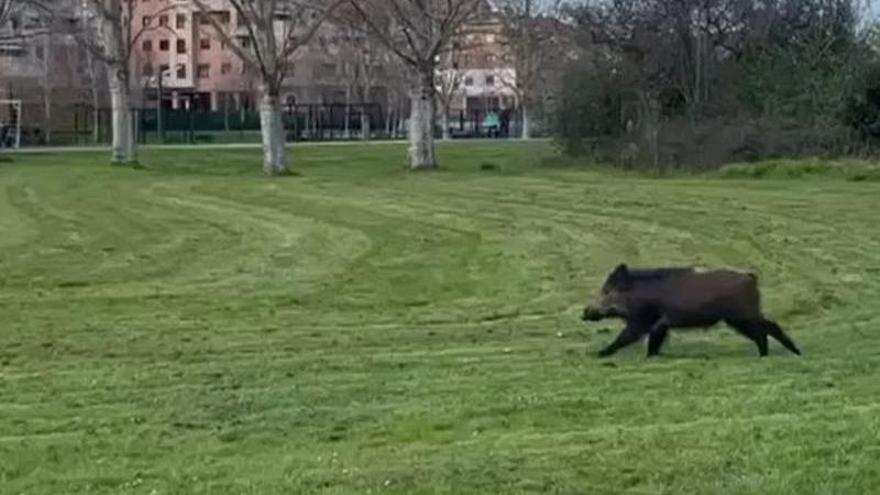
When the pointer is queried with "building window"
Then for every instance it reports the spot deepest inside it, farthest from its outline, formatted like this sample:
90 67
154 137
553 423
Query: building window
147 70
181 71
490 80
163 45
163 20
147 45
226 68
204 71
181 46
163 69
145 21
469 81
221 16
180 21
205 44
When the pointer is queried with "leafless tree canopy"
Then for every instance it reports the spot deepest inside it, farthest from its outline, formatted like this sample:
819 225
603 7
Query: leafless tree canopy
275 29
415 30
5 10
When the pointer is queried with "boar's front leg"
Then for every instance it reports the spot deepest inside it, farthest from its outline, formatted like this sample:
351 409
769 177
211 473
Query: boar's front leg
656 336
631 333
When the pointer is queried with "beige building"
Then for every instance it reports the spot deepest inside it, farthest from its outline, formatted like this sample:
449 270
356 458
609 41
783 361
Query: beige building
181 51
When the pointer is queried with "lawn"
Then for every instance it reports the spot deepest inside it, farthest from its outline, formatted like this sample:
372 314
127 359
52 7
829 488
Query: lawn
195 328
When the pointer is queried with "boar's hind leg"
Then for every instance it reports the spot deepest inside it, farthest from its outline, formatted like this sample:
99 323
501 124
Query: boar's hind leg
657 336
773 330
628 335
754 331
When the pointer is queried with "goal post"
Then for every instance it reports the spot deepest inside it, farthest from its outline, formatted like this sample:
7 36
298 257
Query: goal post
10 124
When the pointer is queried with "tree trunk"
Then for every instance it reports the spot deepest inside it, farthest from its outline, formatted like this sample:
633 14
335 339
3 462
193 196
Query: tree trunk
422 154
225 111
92 72
47 112
241 113
526 131
96 117
444 119
47 90
389 116
272 131
365 124
124 145
346 133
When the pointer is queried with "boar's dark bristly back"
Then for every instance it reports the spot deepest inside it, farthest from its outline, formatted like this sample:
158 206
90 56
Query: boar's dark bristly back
647 274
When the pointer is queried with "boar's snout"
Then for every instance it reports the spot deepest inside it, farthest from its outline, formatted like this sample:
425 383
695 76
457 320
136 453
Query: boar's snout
592 314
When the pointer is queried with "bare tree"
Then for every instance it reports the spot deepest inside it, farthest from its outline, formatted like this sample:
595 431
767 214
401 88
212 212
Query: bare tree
449 80
275 30
107 30
370 58
46 83
345 48
533 38
396 78
359 61
95 83
5 11
417 32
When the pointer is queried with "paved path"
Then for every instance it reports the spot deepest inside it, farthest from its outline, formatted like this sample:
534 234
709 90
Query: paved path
220 146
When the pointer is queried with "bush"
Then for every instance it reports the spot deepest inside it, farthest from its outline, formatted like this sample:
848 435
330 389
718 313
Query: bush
856 171
792 86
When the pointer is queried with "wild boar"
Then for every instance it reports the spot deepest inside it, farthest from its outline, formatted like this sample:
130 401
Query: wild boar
654 301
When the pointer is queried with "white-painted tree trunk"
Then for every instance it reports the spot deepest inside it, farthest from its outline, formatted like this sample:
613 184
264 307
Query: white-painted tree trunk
272 131
365 125
96 117
347 129
226 103
444 119
422 154
47 112
47 90
124 147
526 131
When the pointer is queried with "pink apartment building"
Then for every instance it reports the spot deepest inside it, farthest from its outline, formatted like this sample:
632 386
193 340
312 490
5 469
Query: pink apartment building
199 71
179 52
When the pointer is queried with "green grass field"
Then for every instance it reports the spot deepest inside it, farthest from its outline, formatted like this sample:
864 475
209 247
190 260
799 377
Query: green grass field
195 328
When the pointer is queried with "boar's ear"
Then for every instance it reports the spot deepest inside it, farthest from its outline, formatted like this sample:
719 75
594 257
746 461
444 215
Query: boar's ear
620 276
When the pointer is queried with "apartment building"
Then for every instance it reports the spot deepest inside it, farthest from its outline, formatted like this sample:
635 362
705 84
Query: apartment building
180 58
480 74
